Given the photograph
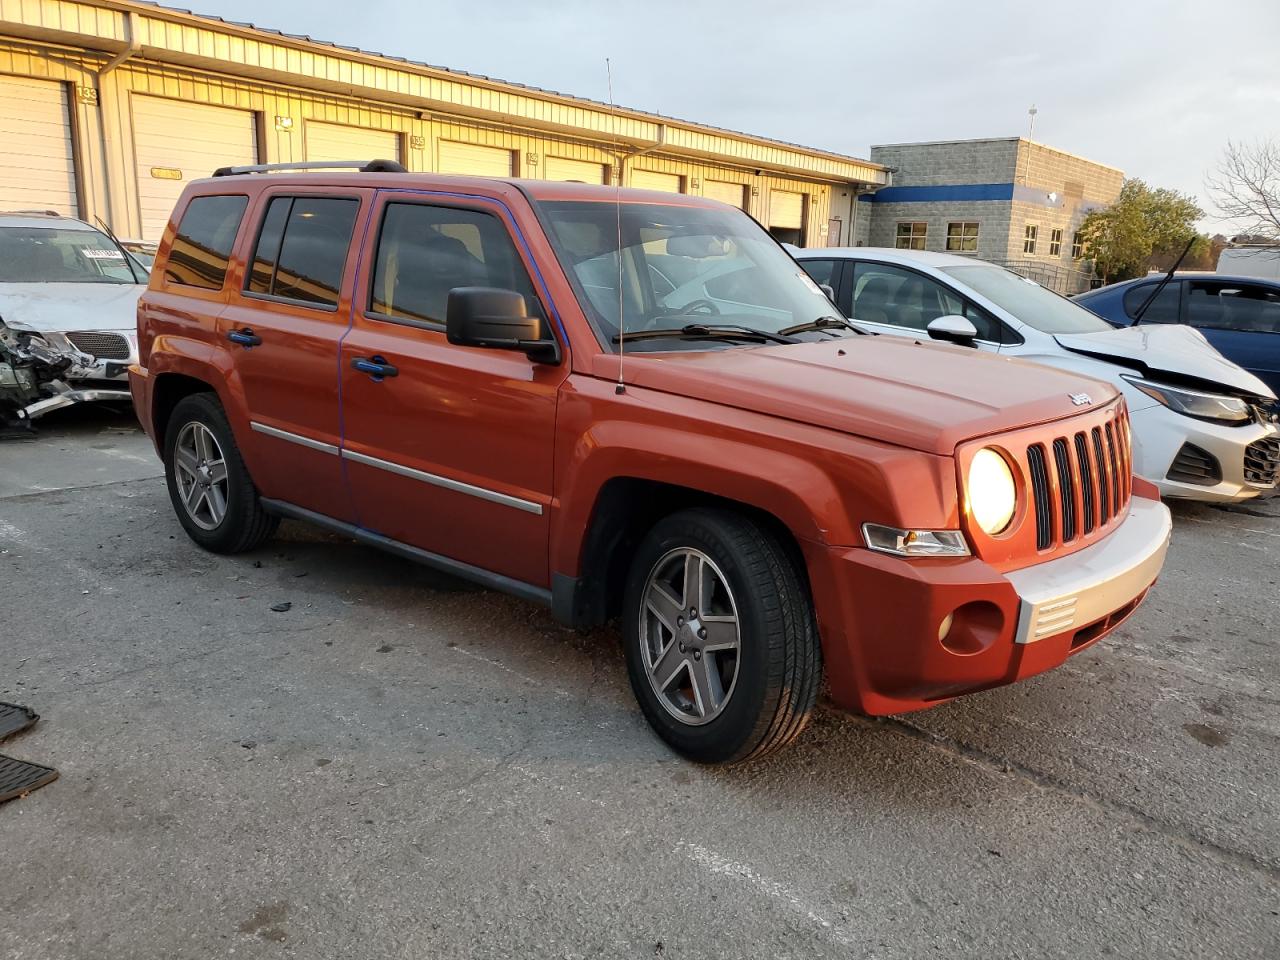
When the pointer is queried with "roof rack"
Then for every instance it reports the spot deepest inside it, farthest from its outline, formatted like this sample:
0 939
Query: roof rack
32 213
364 166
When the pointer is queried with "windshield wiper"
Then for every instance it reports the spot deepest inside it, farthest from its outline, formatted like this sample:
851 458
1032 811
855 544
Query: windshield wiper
707 331
822 323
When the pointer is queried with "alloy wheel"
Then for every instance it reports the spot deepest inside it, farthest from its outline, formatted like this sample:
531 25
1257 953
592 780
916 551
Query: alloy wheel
690 639
200 469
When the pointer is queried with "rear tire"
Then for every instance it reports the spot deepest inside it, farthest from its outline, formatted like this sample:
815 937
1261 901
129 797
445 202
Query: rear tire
209 486
699 578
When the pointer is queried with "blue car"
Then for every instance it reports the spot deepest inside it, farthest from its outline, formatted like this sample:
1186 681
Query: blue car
1240 316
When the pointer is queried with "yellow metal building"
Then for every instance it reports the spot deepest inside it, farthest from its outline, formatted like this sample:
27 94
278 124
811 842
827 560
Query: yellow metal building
108 107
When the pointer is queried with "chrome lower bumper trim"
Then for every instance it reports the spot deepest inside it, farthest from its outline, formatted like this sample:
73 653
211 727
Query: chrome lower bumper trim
1080 589
67 398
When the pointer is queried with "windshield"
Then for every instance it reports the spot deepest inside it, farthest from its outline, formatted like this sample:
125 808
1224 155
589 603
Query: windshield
679 266
50 255
1027 301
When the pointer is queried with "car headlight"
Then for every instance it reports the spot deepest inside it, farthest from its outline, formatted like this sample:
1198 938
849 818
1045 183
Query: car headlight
991 493
1216 407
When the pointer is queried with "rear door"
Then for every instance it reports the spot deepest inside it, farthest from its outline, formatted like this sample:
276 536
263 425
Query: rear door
451 450
283 325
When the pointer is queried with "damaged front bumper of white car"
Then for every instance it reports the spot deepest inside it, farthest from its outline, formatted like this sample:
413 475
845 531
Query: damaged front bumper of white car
41 372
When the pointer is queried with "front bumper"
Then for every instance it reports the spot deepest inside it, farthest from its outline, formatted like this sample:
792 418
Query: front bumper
883 618
1217 464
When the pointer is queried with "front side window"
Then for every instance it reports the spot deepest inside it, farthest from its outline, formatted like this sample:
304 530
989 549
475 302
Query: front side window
201 248
962 237
1029 235
1163 309
302 249
717 267
425 251
903 298
1055 243
1026 300
56 255
1233 306
912 235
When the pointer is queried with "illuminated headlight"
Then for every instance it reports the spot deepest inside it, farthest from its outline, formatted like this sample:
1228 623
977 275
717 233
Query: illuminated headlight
1216 407
991 492
915 543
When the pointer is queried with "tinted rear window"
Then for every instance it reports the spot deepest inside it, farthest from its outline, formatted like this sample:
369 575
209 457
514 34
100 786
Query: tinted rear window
302 249
202 246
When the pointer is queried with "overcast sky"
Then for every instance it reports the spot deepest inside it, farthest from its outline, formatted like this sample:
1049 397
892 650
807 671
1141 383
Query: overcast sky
1155 88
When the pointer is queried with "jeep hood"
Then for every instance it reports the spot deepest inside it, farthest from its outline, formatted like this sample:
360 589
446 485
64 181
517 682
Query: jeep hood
925 396
69 307
1168 351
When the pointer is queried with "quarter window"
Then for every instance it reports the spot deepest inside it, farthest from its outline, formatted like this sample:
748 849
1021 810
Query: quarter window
1029 235
424 252
1164 309
912 235
201 248
962 237
1055 243
302 249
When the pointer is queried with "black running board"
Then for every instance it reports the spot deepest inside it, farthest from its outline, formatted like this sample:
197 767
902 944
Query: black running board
486 578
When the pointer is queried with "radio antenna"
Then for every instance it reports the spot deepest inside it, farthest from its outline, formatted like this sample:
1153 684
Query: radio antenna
617 209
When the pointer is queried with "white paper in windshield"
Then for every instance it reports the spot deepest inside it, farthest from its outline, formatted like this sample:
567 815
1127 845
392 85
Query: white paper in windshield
103 254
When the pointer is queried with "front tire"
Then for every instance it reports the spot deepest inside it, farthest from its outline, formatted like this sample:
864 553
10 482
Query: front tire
722 649
212 493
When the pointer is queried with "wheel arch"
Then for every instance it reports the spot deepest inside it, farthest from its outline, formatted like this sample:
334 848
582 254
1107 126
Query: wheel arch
624 510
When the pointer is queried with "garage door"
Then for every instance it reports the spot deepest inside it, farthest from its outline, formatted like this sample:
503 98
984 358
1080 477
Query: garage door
730 193
652 180
37 167
335 141
176 142
558 168
474 160
786 209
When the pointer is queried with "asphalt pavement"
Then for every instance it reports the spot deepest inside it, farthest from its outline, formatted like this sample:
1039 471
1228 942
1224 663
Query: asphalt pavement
404 765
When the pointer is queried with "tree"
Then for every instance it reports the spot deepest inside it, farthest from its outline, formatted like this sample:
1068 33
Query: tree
1141 227
1246 188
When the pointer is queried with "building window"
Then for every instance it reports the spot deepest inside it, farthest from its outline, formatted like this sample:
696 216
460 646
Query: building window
1077 246
962 237
1055 243
1029 238
912 235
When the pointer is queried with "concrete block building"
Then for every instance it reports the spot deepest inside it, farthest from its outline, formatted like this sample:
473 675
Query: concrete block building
109 107
1009 200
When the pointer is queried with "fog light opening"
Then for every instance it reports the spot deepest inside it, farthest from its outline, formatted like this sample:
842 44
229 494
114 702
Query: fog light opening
971 628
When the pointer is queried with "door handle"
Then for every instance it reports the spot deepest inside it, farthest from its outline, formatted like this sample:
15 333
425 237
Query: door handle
244 337
376 367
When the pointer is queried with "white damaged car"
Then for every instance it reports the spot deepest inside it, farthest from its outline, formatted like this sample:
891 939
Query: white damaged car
1203 427
68 315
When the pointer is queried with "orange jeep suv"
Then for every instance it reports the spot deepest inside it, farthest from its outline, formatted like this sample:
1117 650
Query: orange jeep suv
619 403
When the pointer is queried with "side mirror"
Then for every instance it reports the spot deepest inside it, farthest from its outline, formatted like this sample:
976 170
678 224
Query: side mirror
490 317
953 329
829 290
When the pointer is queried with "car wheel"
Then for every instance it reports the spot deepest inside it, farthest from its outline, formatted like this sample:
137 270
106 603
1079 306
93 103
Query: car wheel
721 644
212 493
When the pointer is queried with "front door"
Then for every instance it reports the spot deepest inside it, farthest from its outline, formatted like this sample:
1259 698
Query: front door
284 323
447 448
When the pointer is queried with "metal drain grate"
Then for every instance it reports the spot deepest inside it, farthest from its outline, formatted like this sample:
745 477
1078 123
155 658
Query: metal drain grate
18 778
14 719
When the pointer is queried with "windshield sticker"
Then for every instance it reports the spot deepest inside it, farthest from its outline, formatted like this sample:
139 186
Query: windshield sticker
103 254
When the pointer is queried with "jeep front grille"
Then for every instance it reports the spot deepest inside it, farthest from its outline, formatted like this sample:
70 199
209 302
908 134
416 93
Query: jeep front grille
1262 462
1087 486
104 346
